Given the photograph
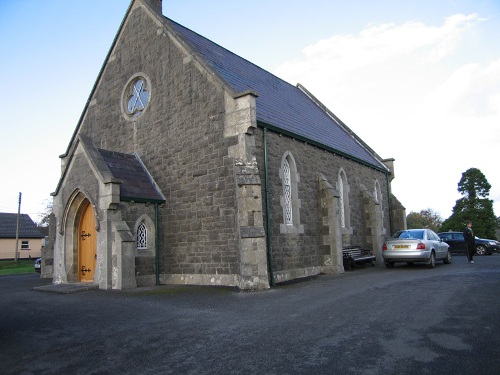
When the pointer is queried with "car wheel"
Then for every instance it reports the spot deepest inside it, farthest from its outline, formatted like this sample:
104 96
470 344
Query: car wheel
480 250
389 264
447 260
431 263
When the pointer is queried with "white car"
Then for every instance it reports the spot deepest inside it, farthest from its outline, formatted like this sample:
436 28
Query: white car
38 265
415 245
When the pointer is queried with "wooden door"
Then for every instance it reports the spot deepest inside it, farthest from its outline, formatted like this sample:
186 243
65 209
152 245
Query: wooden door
87 246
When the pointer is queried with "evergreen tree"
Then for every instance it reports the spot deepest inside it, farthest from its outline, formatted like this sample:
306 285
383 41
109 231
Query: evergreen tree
474 205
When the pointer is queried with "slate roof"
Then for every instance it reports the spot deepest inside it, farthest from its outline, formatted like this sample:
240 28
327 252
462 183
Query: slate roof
282 106
136 183
27 228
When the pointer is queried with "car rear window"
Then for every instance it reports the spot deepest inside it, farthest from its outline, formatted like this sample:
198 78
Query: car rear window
415 234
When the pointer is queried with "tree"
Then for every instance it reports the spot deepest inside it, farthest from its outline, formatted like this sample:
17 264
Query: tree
43 217
424 219
473 184
474 205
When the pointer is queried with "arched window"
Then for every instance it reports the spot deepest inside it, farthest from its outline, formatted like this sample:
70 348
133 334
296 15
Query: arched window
144 230
142 236
290 201
287 192
377 193
343 189
342 205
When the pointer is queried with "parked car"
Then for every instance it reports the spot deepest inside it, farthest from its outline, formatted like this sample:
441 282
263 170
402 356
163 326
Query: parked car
457 243
38 265
415 245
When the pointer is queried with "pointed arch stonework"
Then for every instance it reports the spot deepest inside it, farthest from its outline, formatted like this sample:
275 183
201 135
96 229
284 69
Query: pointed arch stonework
330 219
344 191
373 223
69 226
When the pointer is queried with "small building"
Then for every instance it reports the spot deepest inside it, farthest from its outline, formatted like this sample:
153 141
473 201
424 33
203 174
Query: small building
29 237
191 165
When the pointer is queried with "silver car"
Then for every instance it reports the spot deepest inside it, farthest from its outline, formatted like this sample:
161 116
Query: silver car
415 245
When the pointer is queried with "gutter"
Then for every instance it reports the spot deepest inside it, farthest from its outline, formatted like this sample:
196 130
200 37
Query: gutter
320 145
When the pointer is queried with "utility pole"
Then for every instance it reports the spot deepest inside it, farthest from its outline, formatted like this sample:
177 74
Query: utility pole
17 226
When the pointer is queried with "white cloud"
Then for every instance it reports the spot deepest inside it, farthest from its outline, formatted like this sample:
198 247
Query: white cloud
407 92
378 44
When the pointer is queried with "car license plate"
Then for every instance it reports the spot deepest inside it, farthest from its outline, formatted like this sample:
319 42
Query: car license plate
401 246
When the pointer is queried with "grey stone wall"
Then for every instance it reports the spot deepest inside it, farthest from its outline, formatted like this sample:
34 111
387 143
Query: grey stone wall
145 260
398 212
48 250
302 251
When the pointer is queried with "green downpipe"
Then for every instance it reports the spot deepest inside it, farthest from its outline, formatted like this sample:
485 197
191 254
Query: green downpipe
389 200
157 263
268 216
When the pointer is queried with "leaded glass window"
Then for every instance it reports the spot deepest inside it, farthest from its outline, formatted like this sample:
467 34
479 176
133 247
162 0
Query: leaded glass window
138 97
342 202
142 236
289 201
377 193
287 192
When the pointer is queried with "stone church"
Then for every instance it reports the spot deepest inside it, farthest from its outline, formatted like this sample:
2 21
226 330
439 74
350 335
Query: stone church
191 165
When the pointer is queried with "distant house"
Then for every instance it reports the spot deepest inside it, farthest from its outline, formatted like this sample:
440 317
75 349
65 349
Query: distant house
30 238
191 165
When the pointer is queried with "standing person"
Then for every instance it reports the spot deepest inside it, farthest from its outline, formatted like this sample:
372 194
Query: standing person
470 241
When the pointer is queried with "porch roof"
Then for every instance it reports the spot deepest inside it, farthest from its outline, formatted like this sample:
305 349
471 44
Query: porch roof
136 184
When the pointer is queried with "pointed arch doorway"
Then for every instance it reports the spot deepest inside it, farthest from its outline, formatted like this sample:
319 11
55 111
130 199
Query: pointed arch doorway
87 254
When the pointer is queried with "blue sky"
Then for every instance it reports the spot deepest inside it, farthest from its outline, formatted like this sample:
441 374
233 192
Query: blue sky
419 81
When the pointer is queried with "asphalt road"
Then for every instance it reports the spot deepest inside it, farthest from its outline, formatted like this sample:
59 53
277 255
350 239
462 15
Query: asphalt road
408 320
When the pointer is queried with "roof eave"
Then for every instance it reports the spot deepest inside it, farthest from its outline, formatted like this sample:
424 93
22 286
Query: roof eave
322 146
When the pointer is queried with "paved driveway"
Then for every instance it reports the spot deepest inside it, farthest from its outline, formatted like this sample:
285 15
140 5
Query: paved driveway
408 320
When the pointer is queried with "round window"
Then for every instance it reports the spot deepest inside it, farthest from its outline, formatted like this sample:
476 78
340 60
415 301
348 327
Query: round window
136 96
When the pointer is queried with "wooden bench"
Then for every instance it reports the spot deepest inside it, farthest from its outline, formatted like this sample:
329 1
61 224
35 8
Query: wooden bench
353 255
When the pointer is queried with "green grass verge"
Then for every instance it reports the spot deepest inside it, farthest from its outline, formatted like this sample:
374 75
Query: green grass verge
10 267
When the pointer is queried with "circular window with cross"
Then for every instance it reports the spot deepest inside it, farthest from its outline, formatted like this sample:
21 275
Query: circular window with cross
136 96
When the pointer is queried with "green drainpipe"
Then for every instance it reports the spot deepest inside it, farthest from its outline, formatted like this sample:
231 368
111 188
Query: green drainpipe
157 268
389 200
268 217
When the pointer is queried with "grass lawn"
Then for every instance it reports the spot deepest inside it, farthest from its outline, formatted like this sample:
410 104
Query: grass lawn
10 267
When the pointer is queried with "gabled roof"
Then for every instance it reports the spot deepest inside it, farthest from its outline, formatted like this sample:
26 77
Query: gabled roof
281 106
27 228
135 182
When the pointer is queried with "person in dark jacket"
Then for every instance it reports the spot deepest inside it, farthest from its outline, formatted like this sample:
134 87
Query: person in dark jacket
470 241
